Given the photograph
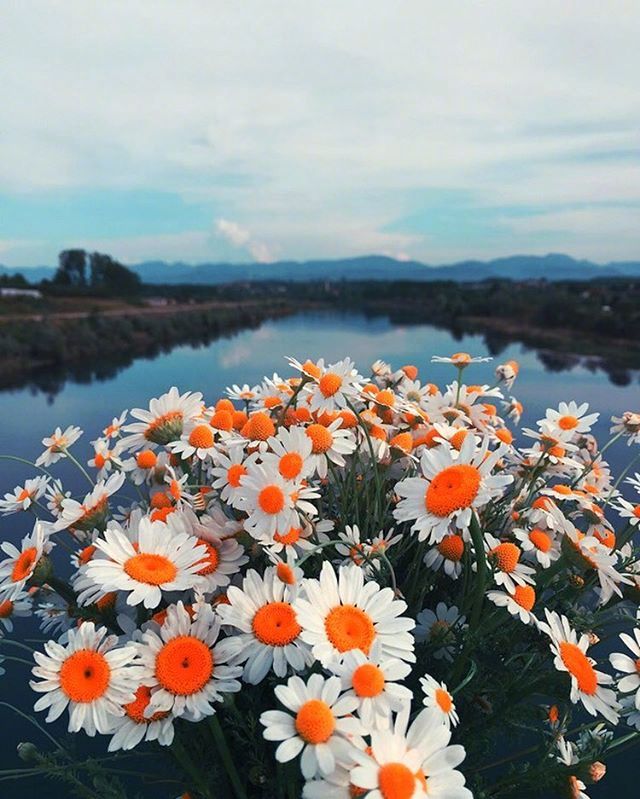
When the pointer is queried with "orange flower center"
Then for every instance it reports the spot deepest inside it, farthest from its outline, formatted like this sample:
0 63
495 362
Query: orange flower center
396 781
184 665
99 460
443 700
85 676
506 436
271 499
288 538
452 489
403 442
211 559
222 420
315 722
201 436
260 427
135 710
23 567
540 540
567 422
577 664
85 555
506 556
234 473
321 438
525 596
368 680
24 494
6 609
310 368
290 465
451 547
285 574
275 624
349 627
457 439
150 568
461 358
636 511
330 384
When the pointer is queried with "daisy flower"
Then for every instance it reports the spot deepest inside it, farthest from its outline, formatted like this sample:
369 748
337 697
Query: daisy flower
160 562
92 511
164 421
569 419
229 467
507 372
17 569
57 444
629 666
223 558
504 556
588 552
104 459
198 440
570 656
269 632
447 555
244 393
134 726
145 466
184 666
438 699
440 629
628 510
364 553
91 675
629 425
20 605
539 544
55 493
24 496
113 430
341 613
409 762
320 724
567 756
374 682
297 540
289 453
329 443
453 485
518 602
459 359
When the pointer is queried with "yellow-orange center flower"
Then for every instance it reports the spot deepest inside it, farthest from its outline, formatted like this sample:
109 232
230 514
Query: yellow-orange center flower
454 488
184 665
147 567
315 722
275 624
368 680
85 676
349 627
578 665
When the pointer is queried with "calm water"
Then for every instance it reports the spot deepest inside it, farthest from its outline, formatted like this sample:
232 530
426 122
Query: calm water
27 417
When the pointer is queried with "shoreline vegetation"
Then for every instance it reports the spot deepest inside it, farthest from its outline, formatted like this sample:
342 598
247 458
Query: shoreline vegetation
84 329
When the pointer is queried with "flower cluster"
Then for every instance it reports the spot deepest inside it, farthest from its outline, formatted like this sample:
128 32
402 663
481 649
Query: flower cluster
343 574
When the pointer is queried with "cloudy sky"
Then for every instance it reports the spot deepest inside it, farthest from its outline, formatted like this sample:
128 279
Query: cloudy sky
271 129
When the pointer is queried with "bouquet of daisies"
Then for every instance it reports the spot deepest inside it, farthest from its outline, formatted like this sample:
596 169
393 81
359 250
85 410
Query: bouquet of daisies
330 585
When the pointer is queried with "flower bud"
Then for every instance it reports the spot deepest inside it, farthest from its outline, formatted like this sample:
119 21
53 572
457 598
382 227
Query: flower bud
27 752
596 772
43 570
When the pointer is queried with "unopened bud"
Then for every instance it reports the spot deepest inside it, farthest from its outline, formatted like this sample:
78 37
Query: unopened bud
576 580
596 772
43 570
27 752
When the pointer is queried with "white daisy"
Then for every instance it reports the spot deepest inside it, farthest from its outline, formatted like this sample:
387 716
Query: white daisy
459 359
229 467
197 439
569 419
113 430
629 666
336 385
57 444
184 666
518 602
342 613
17 569
92 511
20 605
439 700
164 421
134 726
539 544
24 496
91 675
289 453
321 725
570 656
269 632
105 458
440 629
447 554
329 443
146 466
161 562
504 557
629 425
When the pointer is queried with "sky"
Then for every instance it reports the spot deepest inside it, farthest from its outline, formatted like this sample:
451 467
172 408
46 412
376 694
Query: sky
276 129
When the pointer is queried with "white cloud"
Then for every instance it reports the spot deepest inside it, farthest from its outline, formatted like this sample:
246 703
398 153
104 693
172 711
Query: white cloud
315 126
240 237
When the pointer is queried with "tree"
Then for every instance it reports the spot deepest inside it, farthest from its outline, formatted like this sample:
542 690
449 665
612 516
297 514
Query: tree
111 276
71 270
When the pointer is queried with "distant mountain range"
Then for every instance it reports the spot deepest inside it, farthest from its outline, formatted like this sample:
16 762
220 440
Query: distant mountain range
554 266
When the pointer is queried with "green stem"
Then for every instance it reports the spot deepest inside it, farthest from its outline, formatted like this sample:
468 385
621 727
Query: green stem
75 461
225 756
481 572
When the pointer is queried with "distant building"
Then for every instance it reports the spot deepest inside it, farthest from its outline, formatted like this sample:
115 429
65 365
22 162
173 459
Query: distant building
34 294
156 302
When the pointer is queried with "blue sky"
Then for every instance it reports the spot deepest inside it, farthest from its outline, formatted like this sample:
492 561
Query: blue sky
202 131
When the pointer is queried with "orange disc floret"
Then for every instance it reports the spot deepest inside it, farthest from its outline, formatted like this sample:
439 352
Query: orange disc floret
562 489
384 414
234 474
240 419
443 700
525 596
6 609
211 559
24 564
99 461
222 420
461 358
505 556
107 601
271 499
303 415
160 500
578 665
290 538
454 488
504 435
410 371
321 438
329 384
276 624
371 389
150 568
368 680
285 574
349 627
557 451
403 442
349 419
201 436
315 722
225 404
311 369
606 537
326 417
135 710
396 781
85 555
457 439
386 397
290 465
161 514
540 539
85 676
451 547
430 439
146 459
271 402
542 503
184 665
259 427
553 714
567 422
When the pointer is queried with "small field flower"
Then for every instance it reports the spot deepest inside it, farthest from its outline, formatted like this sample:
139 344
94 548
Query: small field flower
24 496
57 444
19 567
629 666
439 700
